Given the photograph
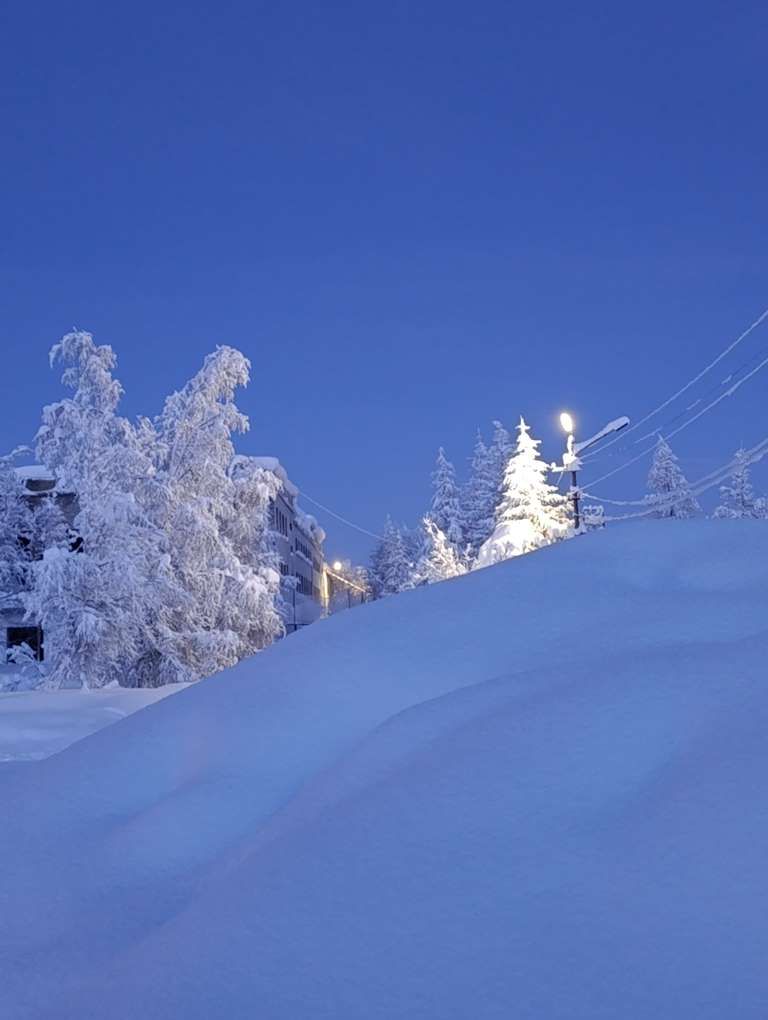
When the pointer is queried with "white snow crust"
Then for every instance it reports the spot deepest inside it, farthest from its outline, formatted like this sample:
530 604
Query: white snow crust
36 724
534 791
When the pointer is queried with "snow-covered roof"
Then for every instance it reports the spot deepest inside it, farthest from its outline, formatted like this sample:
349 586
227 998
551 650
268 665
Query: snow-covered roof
34 472
273 464
309 524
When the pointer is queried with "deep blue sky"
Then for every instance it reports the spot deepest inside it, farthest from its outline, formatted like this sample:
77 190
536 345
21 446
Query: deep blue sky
413 218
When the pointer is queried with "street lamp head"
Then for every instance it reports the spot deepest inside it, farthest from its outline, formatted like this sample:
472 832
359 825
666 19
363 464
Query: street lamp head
337 565
566 422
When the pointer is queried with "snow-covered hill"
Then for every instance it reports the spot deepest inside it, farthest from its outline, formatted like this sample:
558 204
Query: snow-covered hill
535 792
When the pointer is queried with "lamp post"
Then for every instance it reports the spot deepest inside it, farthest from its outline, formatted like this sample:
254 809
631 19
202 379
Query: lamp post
572 463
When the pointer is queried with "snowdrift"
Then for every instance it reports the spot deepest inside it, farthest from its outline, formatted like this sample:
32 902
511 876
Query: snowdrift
536 791
36 724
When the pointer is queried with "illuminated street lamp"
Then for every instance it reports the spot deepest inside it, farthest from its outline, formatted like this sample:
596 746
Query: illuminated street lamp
337 565
571 460
571 463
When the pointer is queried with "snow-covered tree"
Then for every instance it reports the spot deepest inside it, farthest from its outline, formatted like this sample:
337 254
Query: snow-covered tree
446 509
761 508
500 451
16 530
98 605
391 569
669 491
479 496
532 512
440 561
415 543
174 578
50 527
737 498
213 512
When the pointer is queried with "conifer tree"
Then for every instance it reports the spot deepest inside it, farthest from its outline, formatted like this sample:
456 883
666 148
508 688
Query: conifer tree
532 512
446 509
391 570
440 560
500 451
669 491
737 498
478 497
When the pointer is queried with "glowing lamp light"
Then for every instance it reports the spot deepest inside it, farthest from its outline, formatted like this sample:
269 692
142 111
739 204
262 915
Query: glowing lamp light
337 565
567 422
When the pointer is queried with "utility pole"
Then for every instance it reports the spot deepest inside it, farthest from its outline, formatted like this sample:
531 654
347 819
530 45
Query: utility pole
575 493
572 462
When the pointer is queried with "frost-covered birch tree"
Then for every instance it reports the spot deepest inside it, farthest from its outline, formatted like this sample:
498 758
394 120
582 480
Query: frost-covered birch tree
173 578
212 509
96 605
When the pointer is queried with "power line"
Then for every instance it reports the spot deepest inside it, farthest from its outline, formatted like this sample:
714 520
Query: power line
691 382
344 520
681 414
700 486
727 350
708 407
718 474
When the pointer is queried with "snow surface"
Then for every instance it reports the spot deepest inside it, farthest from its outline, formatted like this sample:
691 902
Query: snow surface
36 724
535 791
34 472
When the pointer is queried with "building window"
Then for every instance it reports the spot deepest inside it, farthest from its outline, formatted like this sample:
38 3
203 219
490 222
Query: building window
17 636
279 520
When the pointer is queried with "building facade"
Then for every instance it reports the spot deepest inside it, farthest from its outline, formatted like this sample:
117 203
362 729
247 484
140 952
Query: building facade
15 630
298 543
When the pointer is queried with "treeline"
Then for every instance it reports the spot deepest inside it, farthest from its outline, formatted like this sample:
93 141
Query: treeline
508 507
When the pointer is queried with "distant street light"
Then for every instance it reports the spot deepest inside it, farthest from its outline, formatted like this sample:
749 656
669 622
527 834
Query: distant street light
337 565
571 460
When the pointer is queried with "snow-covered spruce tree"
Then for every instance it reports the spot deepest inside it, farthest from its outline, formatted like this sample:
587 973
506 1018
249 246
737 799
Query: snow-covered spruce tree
532 512
479 497
440 561
213 510
761 508
669 491
737 498
391 569
500 451
446 509
414 543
